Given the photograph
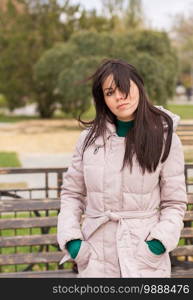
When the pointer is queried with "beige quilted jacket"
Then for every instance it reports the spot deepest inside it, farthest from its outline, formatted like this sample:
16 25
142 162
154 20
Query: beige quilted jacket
121 210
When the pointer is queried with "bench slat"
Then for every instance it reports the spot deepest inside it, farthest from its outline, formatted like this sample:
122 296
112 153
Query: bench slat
28 222
176 273
28 240
186 250
181 273
49 222
190 198
41 204
44 274
187 232
28 205
29 258
188 216
49 239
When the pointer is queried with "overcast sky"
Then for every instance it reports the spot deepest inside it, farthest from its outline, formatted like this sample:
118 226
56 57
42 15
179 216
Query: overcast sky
158 12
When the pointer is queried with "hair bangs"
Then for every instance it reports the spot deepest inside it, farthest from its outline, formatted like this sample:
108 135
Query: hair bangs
121 77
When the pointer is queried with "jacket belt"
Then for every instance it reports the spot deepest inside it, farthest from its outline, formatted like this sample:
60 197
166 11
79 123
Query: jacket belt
123 239
108 215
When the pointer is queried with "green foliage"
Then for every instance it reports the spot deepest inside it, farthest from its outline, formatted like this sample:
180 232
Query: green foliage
24 35
76 97
90 20
46 72
92 43
154 58
59 69
35 63
3 102
183 42
134 14
149 51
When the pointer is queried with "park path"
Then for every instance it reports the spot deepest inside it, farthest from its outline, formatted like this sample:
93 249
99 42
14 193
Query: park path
37 160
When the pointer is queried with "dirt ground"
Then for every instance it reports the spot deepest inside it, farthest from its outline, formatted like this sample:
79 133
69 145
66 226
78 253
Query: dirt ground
42 136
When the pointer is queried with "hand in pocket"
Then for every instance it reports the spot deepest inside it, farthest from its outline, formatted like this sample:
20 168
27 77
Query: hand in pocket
73 247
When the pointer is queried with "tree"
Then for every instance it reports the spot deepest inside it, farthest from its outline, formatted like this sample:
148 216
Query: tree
124 14
60 69
90 20
24 35
45 74
182 40
134 14
75 97
113 7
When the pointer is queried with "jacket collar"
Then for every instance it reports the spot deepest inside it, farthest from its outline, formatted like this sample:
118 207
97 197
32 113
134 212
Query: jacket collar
175 118
111 130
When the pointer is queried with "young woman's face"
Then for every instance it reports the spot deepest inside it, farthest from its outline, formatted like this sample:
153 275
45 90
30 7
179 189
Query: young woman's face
115 99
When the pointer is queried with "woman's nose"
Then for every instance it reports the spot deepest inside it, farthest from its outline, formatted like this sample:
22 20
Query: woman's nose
119 94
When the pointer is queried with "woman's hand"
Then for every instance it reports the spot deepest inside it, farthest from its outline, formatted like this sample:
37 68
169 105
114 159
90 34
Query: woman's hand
73 247
156 246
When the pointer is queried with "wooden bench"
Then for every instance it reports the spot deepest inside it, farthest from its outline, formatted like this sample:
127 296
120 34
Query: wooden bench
185 133
42 240
47 238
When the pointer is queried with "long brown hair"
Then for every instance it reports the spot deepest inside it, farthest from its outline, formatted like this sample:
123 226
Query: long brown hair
146 138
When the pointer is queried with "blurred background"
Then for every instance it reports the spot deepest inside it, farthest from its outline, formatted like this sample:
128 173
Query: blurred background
46 46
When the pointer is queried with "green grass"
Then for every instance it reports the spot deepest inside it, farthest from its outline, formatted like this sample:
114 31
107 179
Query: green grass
190 179
9 159
188 156
184 111
13 119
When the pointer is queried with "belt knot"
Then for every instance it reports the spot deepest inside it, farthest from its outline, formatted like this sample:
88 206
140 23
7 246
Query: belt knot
112 216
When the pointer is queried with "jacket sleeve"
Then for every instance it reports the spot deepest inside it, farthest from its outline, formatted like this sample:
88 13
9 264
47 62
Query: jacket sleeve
73 195
173 198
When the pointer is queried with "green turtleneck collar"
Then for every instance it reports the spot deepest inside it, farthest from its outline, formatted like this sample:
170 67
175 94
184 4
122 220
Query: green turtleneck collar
122 127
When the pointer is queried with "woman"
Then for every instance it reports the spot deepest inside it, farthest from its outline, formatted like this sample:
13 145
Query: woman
127 178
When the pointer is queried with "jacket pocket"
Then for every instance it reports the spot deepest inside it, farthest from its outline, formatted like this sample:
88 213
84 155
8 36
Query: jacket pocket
147 258
83 256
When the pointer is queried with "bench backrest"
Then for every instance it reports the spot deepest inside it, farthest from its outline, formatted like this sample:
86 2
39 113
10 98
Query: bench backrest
42 214
29 216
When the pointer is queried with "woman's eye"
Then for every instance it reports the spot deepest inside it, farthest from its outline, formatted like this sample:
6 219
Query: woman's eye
109 93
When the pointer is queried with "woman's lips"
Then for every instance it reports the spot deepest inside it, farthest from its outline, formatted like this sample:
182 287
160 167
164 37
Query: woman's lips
122 105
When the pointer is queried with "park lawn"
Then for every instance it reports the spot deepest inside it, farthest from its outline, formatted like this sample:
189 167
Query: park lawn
13 119
190 180
184 111
9 159
188 156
